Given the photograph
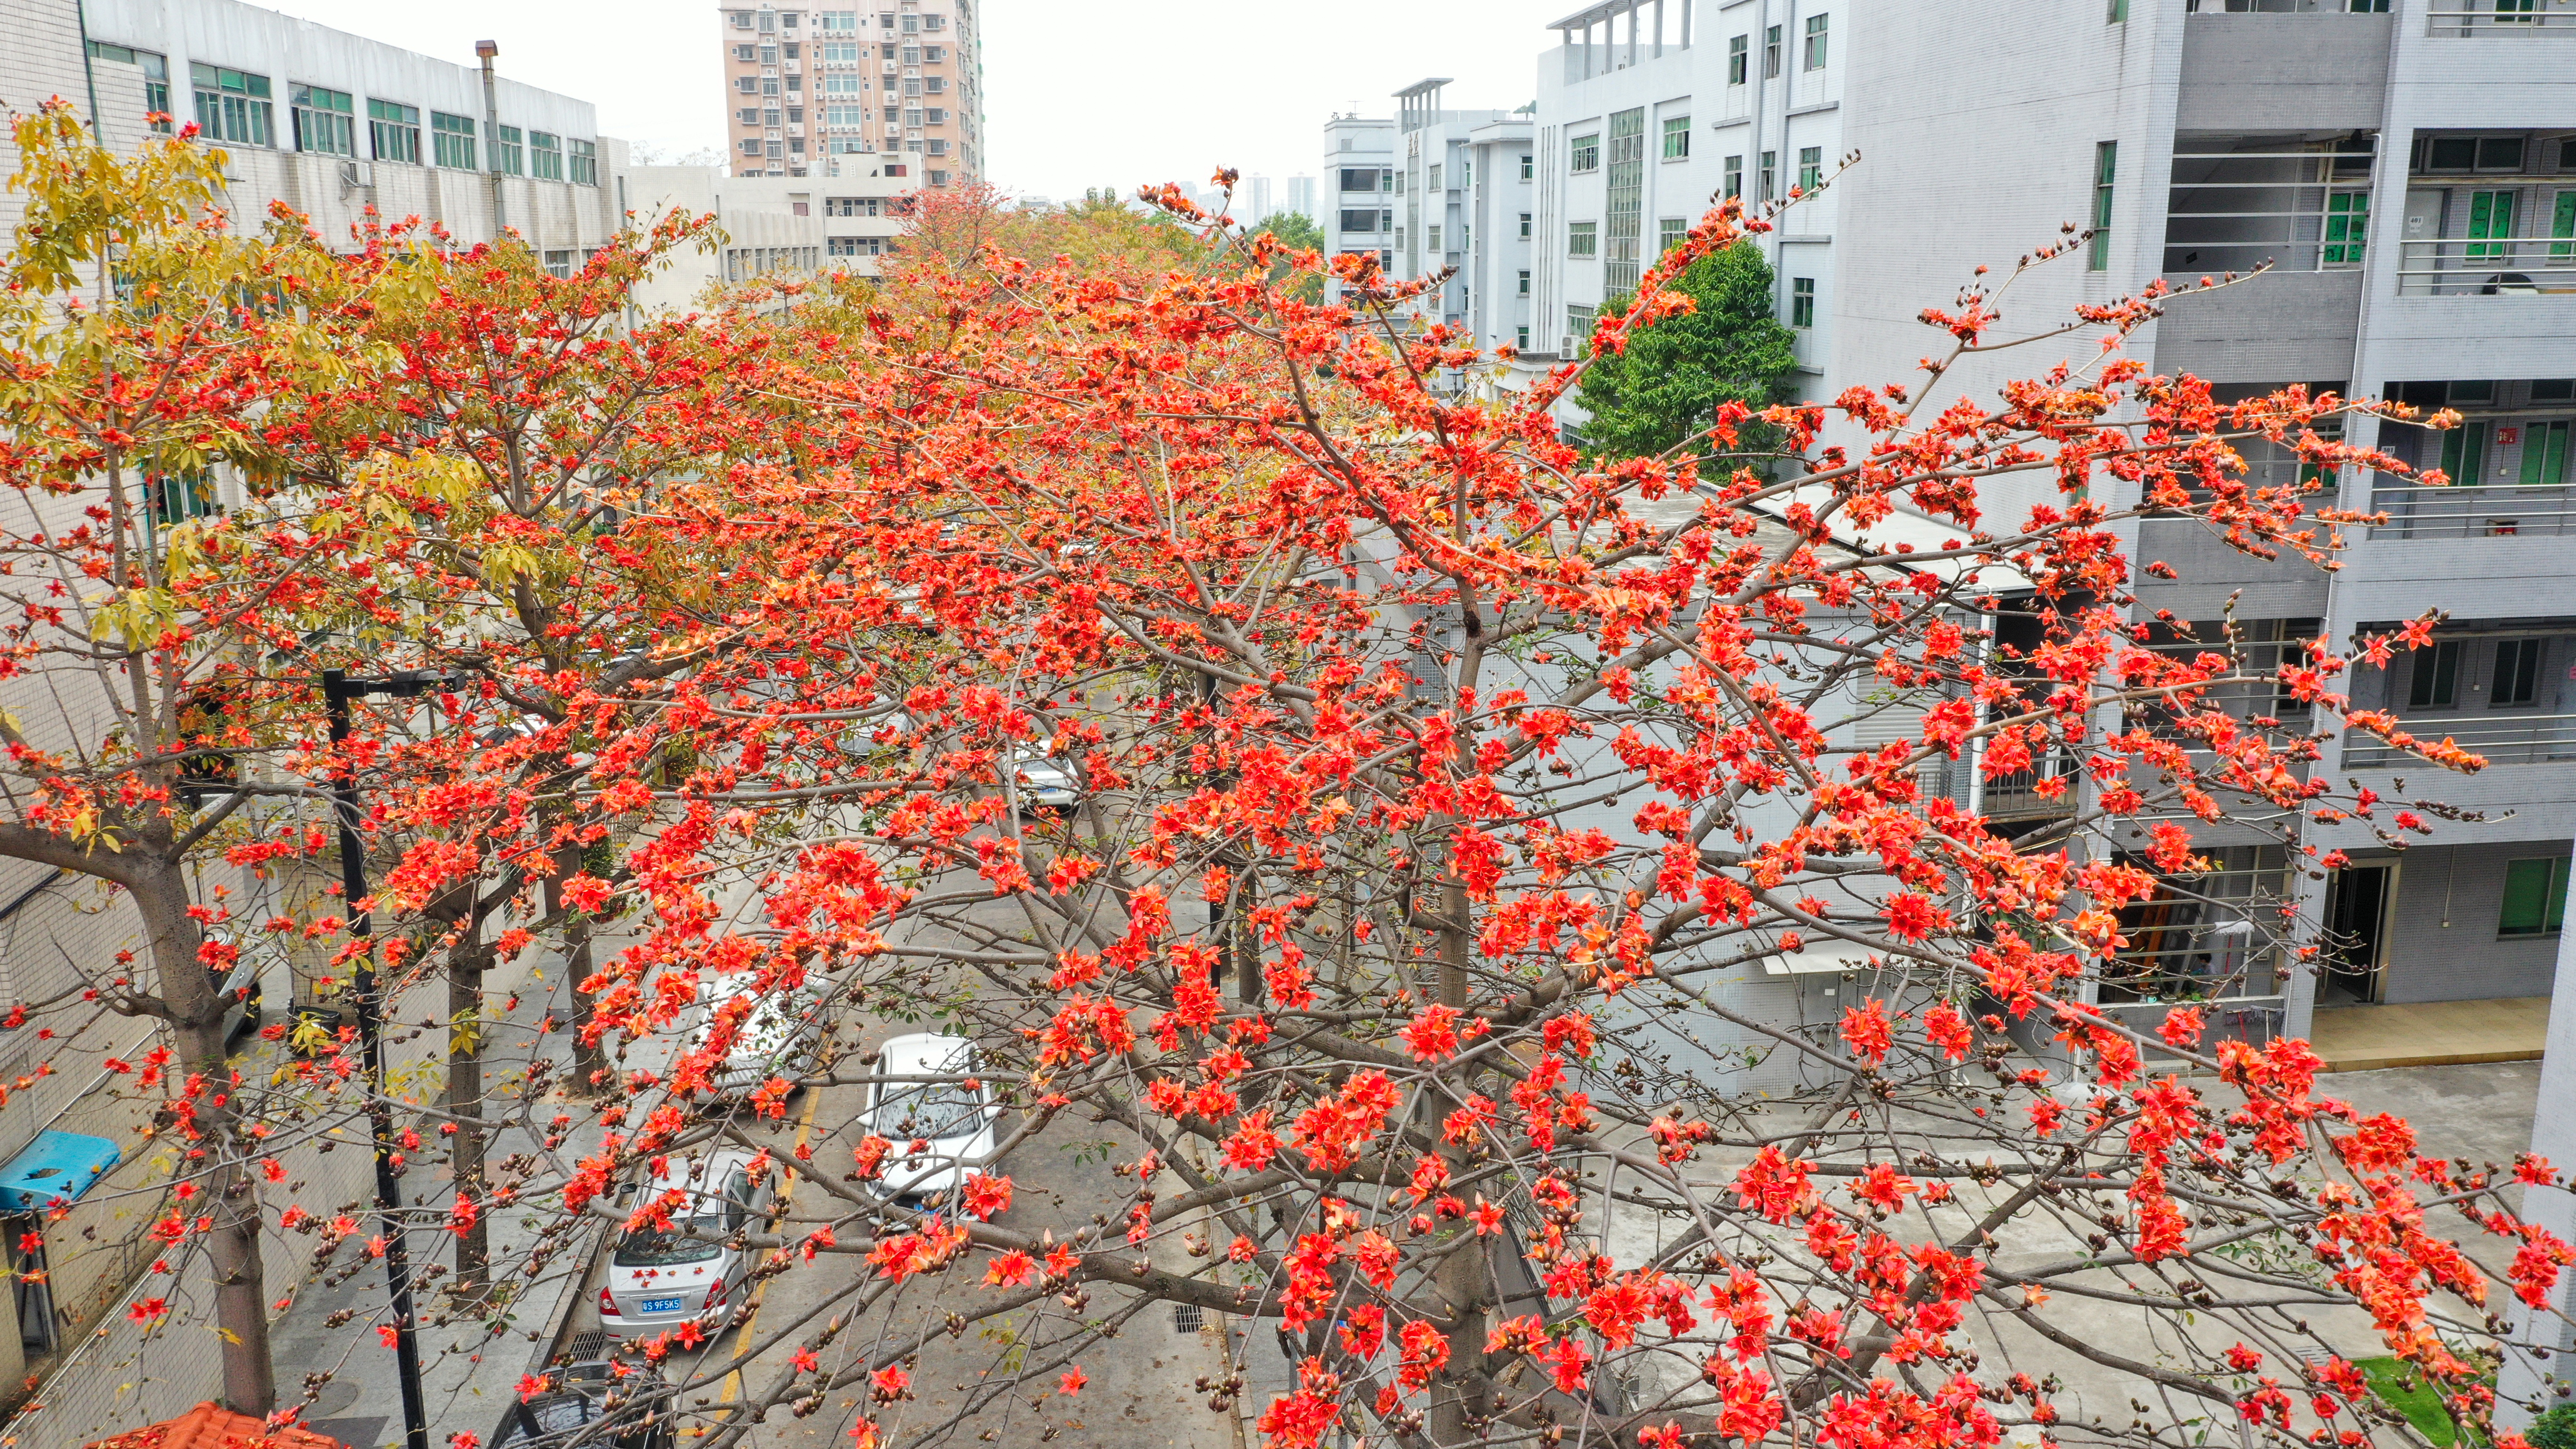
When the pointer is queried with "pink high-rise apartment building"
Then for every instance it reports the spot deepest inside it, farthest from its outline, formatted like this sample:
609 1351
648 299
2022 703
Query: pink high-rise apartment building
899 82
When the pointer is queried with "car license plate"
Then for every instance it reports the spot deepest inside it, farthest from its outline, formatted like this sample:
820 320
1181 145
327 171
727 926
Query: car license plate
661 1305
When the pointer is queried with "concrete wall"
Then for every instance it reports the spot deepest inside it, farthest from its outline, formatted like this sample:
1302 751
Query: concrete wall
2280 327
41 61
2323 70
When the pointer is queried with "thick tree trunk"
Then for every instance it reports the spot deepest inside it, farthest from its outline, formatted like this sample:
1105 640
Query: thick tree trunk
588 1061
197 1012
468 1028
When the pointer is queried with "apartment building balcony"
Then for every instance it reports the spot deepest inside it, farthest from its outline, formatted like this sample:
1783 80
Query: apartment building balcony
2265 64
2500 19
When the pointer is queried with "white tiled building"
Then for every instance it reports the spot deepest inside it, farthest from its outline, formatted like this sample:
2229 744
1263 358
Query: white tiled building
332 124
2408 170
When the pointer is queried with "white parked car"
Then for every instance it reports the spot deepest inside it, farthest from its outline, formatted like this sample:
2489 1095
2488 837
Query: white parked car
957 1126
657 1279
782 1037
1043 781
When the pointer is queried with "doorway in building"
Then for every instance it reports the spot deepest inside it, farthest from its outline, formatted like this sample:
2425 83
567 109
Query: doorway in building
2356 941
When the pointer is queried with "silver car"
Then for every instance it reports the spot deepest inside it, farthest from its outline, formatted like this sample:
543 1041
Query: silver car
659 1279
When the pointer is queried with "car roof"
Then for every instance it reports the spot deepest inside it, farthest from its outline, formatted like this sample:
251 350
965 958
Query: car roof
925 1053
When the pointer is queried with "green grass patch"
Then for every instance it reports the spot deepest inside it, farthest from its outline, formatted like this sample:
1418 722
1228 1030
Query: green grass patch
2421 1405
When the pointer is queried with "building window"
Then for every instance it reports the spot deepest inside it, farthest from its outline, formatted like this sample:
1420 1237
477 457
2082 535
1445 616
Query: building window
2119 11
1734 177
1529 167
176 499
585 162
742 20
2544 452
1524 284
1670 233
2436 680
850 206
545 156
1578 323
856 246
394 131
1737 54
560 263
1434 230
2535 898
1771 53
2517 674
509 149
1583 239
1585 153
1816 41
156 77
1625 195
843 21
842 85
1676 138
451 141
1364 219
232 105
2106 159
1802 301
1811 167
326 122
1770 177
751 145
1520 338
2347 226
1525 226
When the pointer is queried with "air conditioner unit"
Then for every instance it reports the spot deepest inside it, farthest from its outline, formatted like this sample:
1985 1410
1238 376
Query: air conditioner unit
1566 349
357 176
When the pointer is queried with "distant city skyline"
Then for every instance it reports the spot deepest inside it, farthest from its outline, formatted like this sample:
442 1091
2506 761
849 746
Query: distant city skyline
1221 86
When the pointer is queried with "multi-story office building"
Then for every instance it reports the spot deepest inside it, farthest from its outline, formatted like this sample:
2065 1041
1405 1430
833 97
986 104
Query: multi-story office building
1301 198
1463 187
1433 189
334 125
2180 138
780 226
901 80
1359 189
1647 114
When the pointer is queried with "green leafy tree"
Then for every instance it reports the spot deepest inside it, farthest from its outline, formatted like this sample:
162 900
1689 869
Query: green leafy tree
1668 385
1298 232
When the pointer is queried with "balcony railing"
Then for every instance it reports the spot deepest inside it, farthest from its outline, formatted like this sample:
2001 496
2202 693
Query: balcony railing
2500 510
2489 266
2505 737
2461 18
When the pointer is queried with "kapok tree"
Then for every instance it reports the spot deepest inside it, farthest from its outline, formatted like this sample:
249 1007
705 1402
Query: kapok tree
1436 797
142 338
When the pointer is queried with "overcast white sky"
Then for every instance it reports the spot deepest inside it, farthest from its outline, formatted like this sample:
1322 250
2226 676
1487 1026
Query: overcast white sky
1076 94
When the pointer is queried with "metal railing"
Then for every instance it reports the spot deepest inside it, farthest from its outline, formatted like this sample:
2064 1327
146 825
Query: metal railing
2493 510
2460 18
2504 737
2017 796
2487 266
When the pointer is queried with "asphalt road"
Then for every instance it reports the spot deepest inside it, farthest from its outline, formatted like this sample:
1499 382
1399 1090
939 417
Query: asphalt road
999 1381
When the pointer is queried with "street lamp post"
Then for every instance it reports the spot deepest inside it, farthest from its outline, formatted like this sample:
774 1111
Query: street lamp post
338 688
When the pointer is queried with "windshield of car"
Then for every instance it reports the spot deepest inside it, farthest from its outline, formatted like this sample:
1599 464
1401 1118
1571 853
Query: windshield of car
936 1110
651 1247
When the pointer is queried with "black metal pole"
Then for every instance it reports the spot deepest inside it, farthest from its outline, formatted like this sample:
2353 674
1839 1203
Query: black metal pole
337 691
